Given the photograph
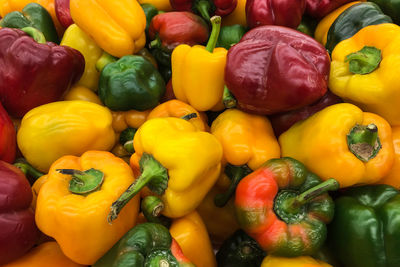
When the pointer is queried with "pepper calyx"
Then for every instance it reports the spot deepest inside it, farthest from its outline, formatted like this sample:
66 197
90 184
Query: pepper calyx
365 60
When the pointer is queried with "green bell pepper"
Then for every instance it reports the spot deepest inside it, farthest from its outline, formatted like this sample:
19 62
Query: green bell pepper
150 11
131 82
365 231
230 35
308 25
352 20
390 8
32 15
147 244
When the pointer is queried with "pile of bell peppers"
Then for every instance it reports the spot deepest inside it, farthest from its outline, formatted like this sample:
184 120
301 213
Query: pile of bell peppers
200 133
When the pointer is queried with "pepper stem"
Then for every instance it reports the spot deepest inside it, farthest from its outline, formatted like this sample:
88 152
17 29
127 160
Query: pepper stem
236 174
104 60
203 6
363 141
156 43
83 182
216 26
153 174
126 139
37 35
365 60
152 207
228 99
27 169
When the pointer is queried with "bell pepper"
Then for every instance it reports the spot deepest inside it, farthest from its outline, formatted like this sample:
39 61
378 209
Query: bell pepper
63 12
47 254
294 61
238 15
342 142
198 72
163 5
128 119
25 62
307 25
304 261
230 35
116 26
191 234
147 244
365 230
179 109
390 7
240 250
274 12
179 182
132 82
283 121
32 15
8 144
393 177
79 92
149 11
64 128
207 8
284 207
320 8
76 38
367 76
76 185
353 19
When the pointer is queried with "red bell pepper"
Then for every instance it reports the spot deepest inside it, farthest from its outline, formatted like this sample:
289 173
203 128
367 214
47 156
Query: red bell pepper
63 12
320 8
8 145
33 72
274 12
207 8
18 231
275 69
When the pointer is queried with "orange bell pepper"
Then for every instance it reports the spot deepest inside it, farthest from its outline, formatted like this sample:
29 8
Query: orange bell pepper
393 178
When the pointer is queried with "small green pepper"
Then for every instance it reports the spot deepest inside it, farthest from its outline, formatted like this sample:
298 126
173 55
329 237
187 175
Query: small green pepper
308 25
390 8
230 35
150 11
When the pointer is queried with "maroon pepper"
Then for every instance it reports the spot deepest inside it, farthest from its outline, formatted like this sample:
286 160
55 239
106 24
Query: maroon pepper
8 145
274 12
320 8
275 69
63 12
18 231
207 8
33 72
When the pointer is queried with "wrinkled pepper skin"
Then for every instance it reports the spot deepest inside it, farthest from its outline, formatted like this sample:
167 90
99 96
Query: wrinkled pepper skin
24 63
118 27
365 230
320 8
269 207
274 12
32 15
64 128
393 177
390 7
212 7
377 91
304 261
18 231
320 142
63 12
288 58
132 82
47 254
64 215
8 138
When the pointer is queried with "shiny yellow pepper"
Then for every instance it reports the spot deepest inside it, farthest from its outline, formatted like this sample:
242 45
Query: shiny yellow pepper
63 128
72 206
76 38
116 26
198 72
365 70
162 5
342 142
238 16
304 261
79 92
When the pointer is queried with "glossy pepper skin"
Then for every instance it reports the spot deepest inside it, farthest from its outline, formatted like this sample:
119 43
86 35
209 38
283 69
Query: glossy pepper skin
274 12
32 15
375 91
132 82
284 207
207 8
230 35
393 177
163 5
63 12
63 214
390 7
24 64
116 26
320 142
303 261
146 244
64 128
150 11
365 229
18 231
288 58
79 92
320 8
8 144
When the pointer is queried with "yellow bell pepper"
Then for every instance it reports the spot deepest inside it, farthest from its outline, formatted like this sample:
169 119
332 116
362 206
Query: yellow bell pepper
369 76
342 142
73 204
198 72
36 188
238 16
162 5
116 26
304 261
63 128
76 38
79 92
393 177
179 163
47 254
321 32
192 236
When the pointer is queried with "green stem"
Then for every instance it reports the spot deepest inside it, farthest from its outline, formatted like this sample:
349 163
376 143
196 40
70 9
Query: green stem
154 175
27 169
152 207
228 99
104 60
203 6
216 26
364 61
156 43
126 139
37 35
83 182
189 116
363 141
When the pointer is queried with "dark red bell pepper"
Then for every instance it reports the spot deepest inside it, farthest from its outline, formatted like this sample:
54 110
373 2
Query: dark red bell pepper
34 73
63 12
8 145
18 231
275 69
274 12
320 8
207 8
